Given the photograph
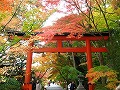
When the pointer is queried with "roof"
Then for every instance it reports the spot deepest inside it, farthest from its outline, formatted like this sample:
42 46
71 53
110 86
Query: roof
18 33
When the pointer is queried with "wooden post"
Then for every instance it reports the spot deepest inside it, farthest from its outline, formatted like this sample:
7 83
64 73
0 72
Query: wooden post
89 60
59 44
27 84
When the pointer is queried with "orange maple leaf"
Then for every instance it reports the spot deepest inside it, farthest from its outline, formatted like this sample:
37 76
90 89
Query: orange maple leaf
6 5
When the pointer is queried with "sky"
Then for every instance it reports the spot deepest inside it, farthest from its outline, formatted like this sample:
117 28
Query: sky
55 16
61 7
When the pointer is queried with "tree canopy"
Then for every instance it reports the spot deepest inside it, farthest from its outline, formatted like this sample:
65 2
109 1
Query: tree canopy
81 16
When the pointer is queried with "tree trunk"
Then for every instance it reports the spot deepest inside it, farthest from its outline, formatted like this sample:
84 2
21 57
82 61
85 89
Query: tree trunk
101 61
100 58
73 60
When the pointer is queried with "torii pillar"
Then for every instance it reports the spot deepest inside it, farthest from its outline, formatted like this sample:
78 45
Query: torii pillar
89 60
27 85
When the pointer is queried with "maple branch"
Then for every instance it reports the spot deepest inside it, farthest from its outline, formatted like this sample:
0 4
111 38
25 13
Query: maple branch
104 11
77 6
11 17
103 14
32 25
92 19
43 74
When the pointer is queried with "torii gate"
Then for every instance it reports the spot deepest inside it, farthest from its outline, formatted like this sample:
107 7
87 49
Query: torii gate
88 49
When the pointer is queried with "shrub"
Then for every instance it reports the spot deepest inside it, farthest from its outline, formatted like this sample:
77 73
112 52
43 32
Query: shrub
10 84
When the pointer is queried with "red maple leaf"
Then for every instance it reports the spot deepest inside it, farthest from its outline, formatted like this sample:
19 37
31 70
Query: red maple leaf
68 24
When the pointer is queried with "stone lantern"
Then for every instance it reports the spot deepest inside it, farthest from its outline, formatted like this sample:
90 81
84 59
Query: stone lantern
80 86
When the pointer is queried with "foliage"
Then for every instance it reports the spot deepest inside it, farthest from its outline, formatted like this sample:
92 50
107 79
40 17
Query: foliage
85 20
114 51
46 62
103 71
69 73
6 5
25 16
10 84
100 87
34 19
56 66
93 9
111 16
13 67
68 24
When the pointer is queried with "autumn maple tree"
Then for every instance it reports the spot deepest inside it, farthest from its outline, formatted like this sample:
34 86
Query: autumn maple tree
106 72
55 66
16 17
81 16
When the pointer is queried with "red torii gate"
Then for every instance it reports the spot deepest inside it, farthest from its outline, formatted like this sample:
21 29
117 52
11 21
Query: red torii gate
88 49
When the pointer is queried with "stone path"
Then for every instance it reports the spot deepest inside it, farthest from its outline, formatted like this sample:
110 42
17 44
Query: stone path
54 87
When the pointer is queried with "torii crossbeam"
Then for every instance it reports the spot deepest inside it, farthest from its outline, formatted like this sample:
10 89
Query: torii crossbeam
88 49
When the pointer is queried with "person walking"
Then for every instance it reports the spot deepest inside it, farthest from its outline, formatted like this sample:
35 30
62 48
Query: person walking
69 86
33 84
72 86
38 85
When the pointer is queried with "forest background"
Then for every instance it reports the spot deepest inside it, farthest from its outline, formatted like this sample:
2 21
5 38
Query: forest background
28 17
